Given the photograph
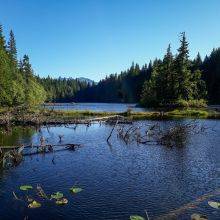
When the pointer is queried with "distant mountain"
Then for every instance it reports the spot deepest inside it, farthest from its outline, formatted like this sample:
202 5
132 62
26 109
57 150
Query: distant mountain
83 79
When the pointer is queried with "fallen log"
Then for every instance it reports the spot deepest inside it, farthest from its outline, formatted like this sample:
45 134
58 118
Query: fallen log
36 119
12 155
38 146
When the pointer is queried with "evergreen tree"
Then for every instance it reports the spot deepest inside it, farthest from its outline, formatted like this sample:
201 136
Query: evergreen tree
166 81
26 68
182 67
34 92
172 81
12 47
211 74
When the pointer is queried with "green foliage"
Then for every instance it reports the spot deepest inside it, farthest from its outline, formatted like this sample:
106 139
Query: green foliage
163 82
34 205
62 201
136 217
57 195
172 82
196 103
189 112
75 189
25 187
213 204
123 87
211 75
18 85
61 89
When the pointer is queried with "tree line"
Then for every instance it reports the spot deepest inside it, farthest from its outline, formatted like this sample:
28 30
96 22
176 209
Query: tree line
61 89
174 80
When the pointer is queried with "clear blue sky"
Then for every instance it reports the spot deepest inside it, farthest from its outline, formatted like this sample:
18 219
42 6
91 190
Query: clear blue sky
94 38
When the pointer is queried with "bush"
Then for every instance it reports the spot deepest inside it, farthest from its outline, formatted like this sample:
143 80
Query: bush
201 103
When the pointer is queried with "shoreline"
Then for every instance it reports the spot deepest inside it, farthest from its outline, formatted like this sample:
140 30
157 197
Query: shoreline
39 116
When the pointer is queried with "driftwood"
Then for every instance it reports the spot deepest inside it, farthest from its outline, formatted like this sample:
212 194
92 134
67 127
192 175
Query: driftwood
24 118
10 158
12 155
192 205
39 146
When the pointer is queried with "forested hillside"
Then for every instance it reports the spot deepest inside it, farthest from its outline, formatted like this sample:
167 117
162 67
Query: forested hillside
62 89
18 85
123 87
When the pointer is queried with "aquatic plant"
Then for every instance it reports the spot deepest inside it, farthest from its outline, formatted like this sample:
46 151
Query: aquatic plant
62 201
34 205
57 195
75 189
213 204
136 217
197 216
26 187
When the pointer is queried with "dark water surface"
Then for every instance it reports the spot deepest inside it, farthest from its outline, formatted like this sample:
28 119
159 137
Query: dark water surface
118 180
99 107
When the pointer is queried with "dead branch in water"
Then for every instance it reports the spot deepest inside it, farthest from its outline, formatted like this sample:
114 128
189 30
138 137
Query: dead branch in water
173 135
112 131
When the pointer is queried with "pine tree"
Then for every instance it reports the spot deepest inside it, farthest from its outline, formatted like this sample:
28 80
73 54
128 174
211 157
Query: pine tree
26 68
12 47
184 90
196 63
167 78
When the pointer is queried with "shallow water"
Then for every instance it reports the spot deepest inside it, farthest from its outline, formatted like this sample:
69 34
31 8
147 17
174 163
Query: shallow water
99 107
118 180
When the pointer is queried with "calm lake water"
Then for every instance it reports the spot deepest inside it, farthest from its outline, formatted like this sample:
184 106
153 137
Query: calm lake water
100 107
118 180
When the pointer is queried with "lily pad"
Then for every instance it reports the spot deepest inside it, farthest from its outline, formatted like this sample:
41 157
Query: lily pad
136 217
34 205
62 201
76 189
197 216
26 187
57 195
213 204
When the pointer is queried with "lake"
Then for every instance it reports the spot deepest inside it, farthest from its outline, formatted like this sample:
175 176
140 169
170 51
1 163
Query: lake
99 107
118 180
